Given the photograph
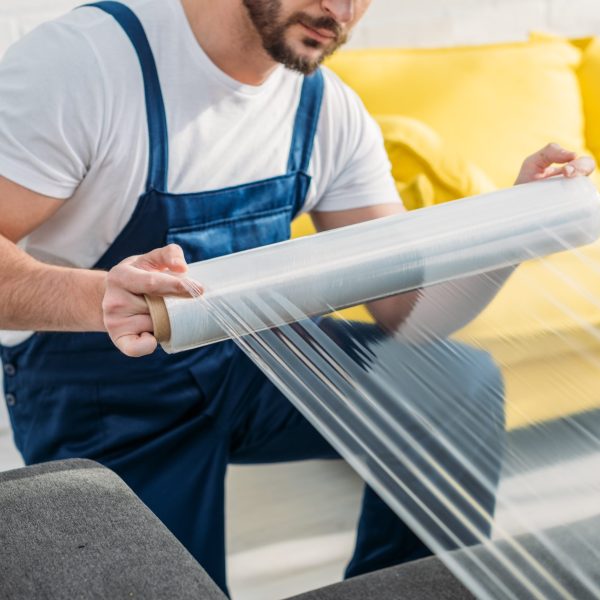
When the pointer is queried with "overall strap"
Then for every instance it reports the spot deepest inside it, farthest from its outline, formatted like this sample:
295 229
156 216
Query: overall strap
307 119
155 108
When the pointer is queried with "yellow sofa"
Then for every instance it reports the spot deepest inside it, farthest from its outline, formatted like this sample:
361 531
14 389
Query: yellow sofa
459 122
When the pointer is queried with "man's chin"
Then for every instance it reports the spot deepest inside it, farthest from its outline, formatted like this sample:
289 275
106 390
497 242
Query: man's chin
303 62
310 56
303 55
304 66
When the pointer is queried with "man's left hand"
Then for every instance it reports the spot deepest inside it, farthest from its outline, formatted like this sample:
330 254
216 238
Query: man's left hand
554 160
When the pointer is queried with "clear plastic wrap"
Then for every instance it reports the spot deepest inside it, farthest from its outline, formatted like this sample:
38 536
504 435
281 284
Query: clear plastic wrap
499 478
348 266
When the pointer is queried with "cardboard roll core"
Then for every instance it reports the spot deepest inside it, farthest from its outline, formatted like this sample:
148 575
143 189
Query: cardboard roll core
160 318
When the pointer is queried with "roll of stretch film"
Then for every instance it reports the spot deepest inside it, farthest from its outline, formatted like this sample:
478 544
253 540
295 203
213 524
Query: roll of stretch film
375 259
513 513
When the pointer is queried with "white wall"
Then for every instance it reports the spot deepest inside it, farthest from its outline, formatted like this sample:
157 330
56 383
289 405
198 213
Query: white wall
18 16
452 22
398 22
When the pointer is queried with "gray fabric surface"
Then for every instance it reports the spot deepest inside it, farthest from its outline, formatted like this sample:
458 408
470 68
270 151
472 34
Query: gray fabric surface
426 579
73 529
560 559
566 561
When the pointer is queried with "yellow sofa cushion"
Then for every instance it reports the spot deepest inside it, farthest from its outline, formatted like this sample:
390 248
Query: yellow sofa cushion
493 104
427 169
541 329
541 310
459 122
589 77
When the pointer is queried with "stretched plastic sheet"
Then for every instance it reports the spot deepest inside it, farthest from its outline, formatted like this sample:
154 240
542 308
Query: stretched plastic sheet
372 260
484 442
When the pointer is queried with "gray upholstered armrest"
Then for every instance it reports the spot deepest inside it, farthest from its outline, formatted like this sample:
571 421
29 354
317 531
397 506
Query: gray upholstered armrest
73 529
426 579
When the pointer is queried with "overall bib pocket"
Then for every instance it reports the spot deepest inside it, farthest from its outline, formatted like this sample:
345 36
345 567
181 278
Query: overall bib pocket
226 236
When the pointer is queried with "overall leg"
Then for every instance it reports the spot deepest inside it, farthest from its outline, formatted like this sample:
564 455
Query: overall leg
266 427
181 478
458 392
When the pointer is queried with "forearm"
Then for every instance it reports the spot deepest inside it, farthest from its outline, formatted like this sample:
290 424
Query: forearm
390 313
438 311
39 297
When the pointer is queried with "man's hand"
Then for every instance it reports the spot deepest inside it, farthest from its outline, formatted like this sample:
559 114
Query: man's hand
126 314
554 160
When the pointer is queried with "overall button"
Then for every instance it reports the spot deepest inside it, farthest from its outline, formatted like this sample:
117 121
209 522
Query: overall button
9 369
11 399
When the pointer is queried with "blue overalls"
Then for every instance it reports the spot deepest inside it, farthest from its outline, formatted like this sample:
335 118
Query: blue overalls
170 424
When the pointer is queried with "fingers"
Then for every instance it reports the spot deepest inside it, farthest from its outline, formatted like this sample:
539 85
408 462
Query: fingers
552 153
137 345
549 172
128 323
169 258
194 288
140 281
119 302
580 167
555 160
126 314
132 335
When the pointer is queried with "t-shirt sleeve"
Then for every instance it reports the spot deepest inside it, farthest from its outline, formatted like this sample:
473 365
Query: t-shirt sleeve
51 106
361 173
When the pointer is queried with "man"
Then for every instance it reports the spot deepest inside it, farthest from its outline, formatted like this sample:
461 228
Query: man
135 137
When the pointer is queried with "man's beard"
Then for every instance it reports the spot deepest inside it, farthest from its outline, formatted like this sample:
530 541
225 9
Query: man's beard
266 17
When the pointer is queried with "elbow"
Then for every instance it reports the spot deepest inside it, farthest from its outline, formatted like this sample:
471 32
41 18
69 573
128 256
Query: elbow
391 313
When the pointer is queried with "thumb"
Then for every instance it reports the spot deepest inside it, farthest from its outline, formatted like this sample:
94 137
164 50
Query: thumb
136 345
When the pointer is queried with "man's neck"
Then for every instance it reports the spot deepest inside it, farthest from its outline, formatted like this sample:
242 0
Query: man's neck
224 31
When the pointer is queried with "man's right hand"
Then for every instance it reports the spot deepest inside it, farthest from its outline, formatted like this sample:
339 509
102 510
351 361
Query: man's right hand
125 311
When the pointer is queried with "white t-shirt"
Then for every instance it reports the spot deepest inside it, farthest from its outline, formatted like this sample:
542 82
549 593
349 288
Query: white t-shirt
73 126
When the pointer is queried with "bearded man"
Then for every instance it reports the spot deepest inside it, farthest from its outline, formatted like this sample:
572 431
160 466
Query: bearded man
136 136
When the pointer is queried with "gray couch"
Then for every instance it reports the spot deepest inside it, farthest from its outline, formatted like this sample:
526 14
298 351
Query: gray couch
72 529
